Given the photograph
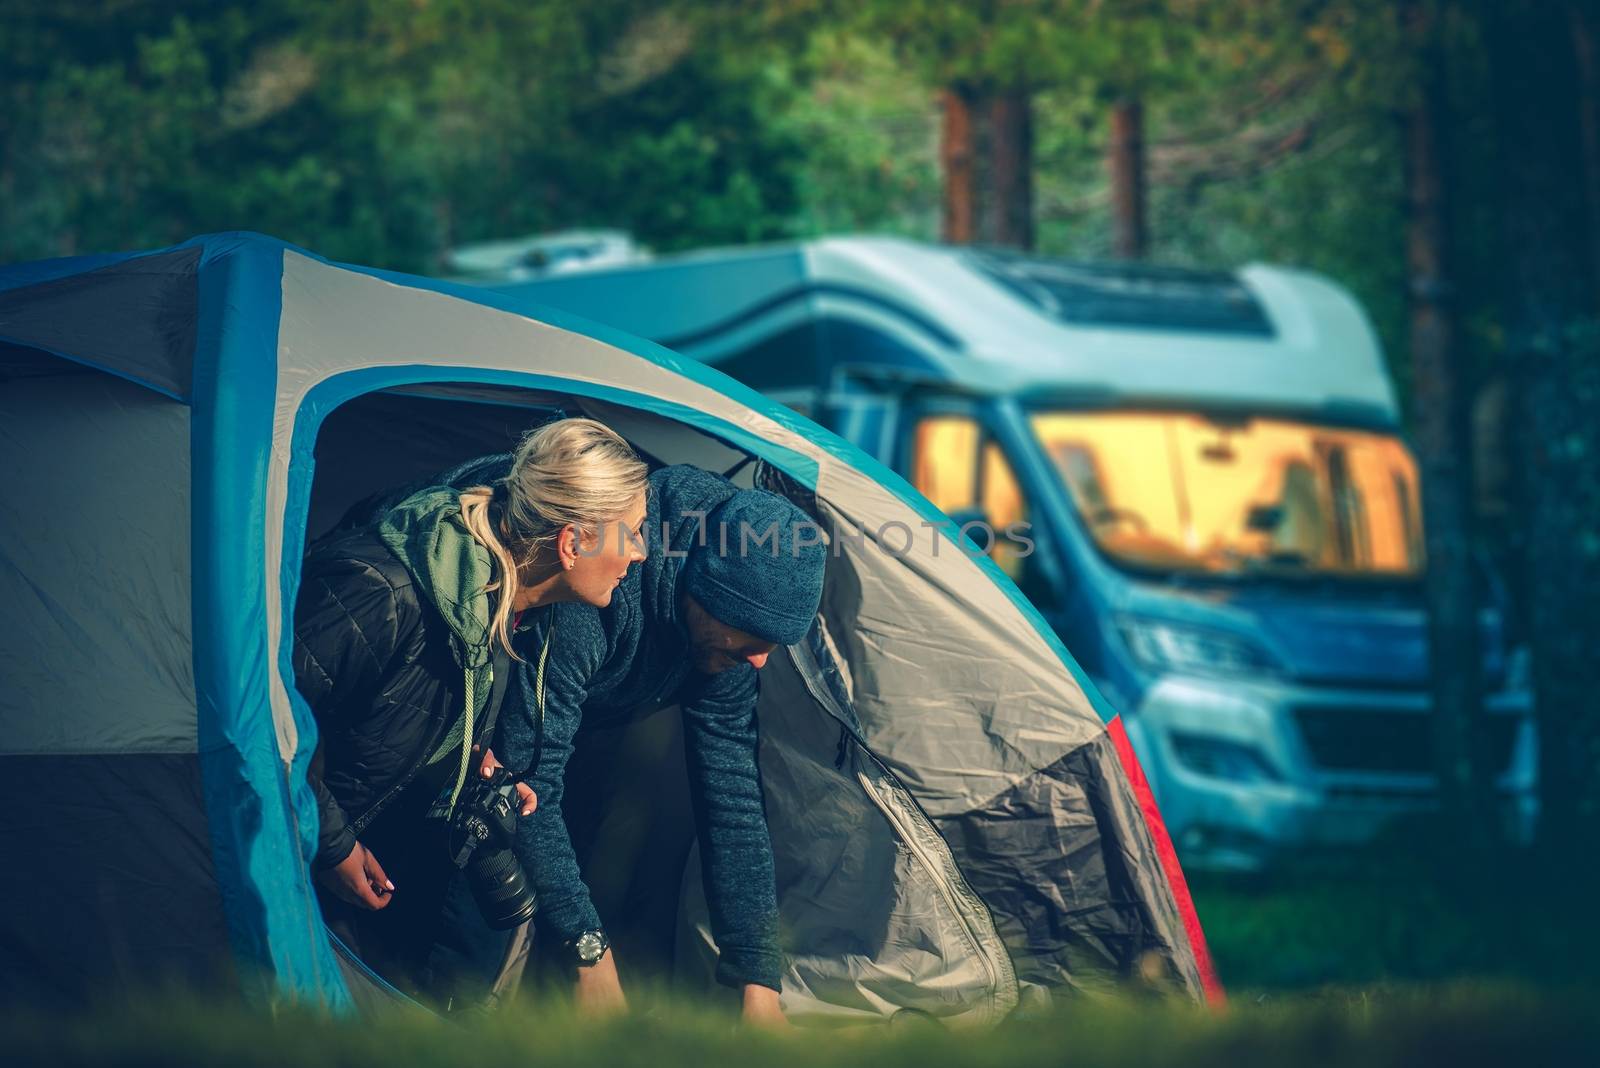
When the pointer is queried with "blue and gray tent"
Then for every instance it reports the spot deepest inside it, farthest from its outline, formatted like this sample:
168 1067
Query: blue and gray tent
957 828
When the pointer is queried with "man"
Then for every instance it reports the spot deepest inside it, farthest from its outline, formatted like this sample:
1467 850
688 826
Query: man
730 575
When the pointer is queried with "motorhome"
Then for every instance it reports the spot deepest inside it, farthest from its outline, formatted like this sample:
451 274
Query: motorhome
1199 478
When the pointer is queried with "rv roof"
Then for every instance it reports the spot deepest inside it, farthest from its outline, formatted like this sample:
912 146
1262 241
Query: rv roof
996 321
1109 294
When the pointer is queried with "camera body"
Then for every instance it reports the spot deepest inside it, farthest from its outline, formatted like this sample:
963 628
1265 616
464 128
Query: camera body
483 825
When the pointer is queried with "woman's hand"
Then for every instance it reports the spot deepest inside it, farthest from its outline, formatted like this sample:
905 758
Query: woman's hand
598 991
761 1009
487 767
359 879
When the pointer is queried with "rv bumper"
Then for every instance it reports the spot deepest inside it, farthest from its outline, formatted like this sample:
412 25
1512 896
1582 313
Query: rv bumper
1244 770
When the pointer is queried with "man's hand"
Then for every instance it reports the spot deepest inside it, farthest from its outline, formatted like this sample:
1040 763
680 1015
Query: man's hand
487 767
359 879
598 990
761 1009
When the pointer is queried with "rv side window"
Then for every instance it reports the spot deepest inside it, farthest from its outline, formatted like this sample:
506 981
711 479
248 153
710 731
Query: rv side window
962 472
944 462
1001 499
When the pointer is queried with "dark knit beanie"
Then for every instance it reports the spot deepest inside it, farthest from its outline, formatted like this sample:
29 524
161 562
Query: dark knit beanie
761 566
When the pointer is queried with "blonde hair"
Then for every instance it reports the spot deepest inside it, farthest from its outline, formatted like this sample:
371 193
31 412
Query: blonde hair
569 472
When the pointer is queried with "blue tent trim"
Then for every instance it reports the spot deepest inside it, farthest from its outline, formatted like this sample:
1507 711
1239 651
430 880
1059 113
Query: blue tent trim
263 825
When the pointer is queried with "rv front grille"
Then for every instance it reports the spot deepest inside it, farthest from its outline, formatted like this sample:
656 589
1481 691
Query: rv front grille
1387 740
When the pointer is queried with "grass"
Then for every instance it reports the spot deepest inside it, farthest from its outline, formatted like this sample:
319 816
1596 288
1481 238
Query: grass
1405 914
1395 957
1456 1025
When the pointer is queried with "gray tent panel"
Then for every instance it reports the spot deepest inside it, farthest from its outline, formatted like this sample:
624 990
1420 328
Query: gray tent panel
146 314
109 885
1078 906
96 650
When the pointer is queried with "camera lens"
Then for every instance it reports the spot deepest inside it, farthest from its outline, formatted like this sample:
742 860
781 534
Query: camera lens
500 887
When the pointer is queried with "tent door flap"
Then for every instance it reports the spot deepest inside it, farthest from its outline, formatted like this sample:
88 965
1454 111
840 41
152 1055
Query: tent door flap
916 831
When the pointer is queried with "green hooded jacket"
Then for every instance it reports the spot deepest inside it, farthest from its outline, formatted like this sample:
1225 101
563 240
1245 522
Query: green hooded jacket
452 571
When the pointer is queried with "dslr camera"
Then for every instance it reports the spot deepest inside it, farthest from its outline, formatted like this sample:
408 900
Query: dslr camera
483 825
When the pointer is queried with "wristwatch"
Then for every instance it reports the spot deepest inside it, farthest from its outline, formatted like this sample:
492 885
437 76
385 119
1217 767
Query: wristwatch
588 948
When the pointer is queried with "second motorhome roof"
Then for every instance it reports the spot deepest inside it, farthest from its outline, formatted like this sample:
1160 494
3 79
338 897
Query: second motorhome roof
991 321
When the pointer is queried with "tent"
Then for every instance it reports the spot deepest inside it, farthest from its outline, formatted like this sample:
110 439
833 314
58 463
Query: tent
959 823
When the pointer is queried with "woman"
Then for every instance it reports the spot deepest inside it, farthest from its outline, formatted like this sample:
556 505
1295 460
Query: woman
395 630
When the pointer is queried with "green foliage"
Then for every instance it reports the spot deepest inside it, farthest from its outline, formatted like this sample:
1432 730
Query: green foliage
383 132
1095 48
1464 1025
870 134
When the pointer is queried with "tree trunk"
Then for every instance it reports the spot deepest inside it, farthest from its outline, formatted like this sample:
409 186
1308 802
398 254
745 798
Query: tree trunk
958 162
1439 409
986 155
1585 23
1011 169
1126 162
1553 366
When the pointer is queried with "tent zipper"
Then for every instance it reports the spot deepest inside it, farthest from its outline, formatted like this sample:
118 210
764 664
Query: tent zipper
1002 975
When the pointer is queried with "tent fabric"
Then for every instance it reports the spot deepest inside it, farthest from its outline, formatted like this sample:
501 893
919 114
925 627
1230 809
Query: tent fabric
110 885
934 708
144 326
94 569
886 917
1031 874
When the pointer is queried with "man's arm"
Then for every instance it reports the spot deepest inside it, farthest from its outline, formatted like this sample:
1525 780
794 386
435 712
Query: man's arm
720 743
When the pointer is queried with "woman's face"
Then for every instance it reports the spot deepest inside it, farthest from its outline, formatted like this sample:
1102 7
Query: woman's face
601 559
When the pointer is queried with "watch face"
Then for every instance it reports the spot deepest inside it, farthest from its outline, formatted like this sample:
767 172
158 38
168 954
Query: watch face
590 946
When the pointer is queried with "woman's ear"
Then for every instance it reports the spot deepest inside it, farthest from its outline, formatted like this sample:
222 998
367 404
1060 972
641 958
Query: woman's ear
567 543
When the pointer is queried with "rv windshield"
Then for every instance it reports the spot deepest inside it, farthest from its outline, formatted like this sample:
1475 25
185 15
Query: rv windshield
1185 492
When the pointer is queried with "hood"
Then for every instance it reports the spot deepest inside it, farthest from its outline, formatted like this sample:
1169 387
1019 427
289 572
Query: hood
446 562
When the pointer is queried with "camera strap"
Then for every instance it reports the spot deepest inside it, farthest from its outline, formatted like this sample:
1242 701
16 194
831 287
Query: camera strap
476 731
500 668
502 673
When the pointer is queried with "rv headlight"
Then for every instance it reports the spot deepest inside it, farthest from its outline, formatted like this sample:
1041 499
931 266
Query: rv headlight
1163 646
1222 758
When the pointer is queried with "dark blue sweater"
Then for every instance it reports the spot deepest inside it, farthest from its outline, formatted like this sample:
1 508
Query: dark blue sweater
607 665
